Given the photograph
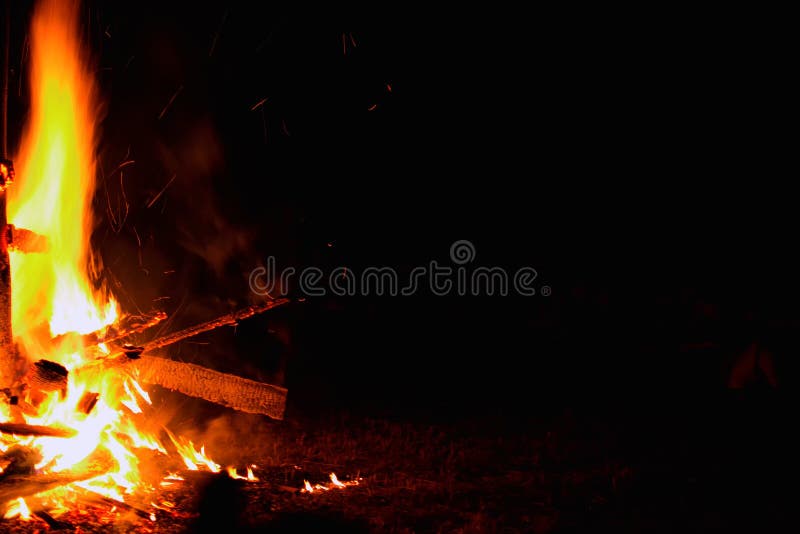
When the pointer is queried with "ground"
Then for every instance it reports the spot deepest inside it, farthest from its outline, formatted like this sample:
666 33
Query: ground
713 468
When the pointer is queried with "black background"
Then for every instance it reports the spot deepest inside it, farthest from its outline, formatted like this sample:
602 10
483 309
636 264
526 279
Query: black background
630 157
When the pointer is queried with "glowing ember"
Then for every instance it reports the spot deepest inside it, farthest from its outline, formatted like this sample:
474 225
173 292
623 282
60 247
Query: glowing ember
165 506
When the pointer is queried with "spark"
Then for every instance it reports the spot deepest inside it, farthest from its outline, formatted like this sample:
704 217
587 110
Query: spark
155 198
171 100
259 103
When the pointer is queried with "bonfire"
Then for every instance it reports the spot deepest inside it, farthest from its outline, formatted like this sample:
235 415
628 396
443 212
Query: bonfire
73 425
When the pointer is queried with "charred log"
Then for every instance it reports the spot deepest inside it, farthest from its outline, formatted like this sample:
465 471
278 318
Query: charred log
24 485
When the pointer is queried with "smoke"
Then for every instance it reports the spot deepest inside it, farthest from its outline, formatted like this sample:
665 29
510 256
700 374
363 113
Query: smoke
202 228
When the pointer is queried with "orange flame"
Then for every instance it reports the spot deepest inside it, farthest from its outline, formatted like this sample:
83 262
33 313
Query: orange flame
335 483
193 458
18 508
54 291
234 474
56 171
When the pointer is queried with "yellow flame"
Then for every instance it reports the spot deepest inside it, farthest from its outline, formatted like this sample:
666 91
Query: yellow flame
18 508
250 476
53 193
234 474
335 483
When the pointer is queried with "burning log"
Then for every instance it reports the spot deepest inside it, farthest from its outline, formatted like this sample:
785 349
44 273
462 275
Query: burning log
15 486
133 324
87 402
22 429
130 325
225 389
138 324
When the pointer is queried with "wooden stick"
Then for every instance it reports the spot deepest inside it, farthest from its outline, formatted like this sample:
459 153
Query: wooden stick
229 319
135 327
92 497
129 326
155 318
196 381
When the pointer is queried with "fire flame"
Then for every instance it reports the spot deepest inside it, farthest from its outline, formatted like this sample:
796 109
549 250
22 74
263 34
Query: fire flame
56 166
19 508
234 474
57 297
192 457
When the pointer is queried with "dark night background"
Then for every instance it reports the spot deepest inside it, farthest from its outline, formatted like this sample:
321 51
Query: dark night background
616 153
631 156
